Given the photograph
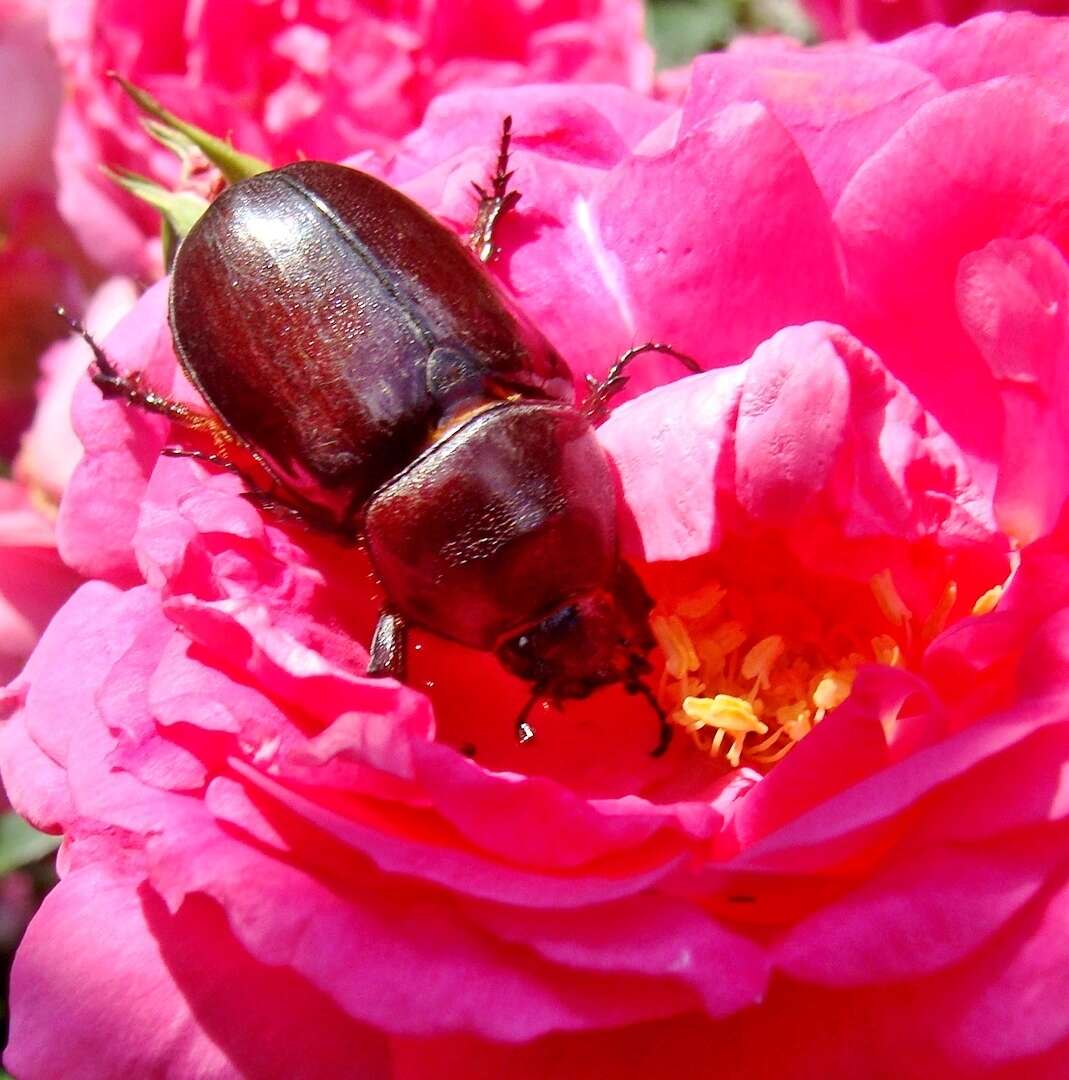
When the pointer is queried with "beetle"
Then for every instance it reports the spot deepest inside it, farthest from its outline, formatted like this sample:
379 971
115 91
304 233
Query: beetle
393 394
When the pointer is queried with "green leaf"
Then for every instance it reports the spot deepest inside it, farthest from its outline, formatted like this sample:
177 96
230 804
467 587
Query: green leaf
180 209
21 844
680 29
233 164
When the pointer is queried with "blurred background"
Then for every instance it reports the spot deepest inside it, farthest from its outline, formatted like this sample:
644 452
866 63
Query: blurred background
680 29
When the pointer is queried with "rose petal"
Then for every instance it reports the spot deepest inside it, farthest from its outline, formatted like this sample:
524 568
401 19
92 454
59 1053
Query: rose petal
1013 298
931 199
837 110
163 994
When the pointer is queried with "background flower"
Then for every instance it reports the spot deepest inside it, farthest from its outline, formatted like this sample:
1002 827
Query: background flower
298 866
313 79
35 271
38 269
885 19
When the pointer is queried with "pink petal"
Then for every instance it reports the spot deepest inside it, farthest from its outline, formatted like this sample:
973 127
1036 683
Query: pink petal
1009 1004
674 438
927 910
1013 298
428 970
992 44
837 108
924 201
33 580
531 820
161 994
742 200
418 846
122 446
648 935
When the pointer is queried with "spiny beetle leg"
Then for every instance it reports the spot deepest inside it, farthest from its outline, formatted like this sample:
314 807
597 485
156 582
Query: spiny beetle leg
388 646
525 731
220 462
493 204
114 384
275 503
602 391
665 738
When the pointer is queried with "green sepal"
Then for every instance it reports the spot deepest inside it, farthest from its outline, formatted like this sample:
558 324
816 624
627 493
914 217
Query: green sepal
230 162
180 209
169 241
183 148
21 844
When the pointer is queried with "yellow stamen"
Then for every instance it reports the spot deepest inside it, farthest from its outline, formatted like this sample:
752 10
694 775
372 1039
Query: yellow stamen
760 660
937 620
891 604
989 601
833 689
729 636
887 651
750 695
675 643
729 715
702 604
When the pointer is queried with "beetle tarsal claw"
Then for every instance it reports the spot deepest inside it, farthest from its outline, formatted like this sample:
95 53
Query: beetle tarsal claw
665 738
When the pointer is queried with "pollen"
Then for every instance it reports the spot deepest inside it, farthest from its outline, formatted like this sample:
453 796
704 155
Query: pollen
710 721
749 675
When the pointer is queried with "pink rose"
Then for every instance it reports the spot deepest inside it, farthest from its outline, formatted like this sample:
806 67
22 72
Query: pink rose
34 582
35 270
323 80
851 861
885 19
31 79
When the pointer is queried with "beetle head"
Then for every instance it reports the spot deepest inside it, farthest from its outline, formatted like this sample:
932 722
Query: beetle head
589 640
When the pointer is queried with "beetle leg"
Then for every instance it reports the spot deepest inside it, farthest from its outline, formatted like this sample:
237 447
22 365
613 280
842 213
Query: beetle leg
269 501
220 462
388 646
280 508
525 731
639 687
495 202
602 391
113 384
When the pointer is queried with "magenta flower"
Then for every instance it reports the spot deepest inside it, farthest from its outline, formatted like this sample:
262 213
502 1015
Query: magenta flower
35 271
34 582
850 862
323 80
885 19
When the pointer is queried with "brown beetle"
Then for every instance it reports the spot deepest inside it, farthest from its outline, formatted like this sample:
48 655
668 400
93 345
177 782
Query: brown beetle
392 393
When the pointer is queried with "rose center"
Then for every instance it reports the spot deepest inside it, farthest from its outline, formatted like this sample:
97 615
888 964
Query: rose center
748 675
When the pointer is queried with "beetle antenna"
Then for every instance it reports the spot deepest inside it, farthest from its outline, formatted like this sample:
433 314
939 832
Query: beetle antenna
640 688
102 362
602 391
